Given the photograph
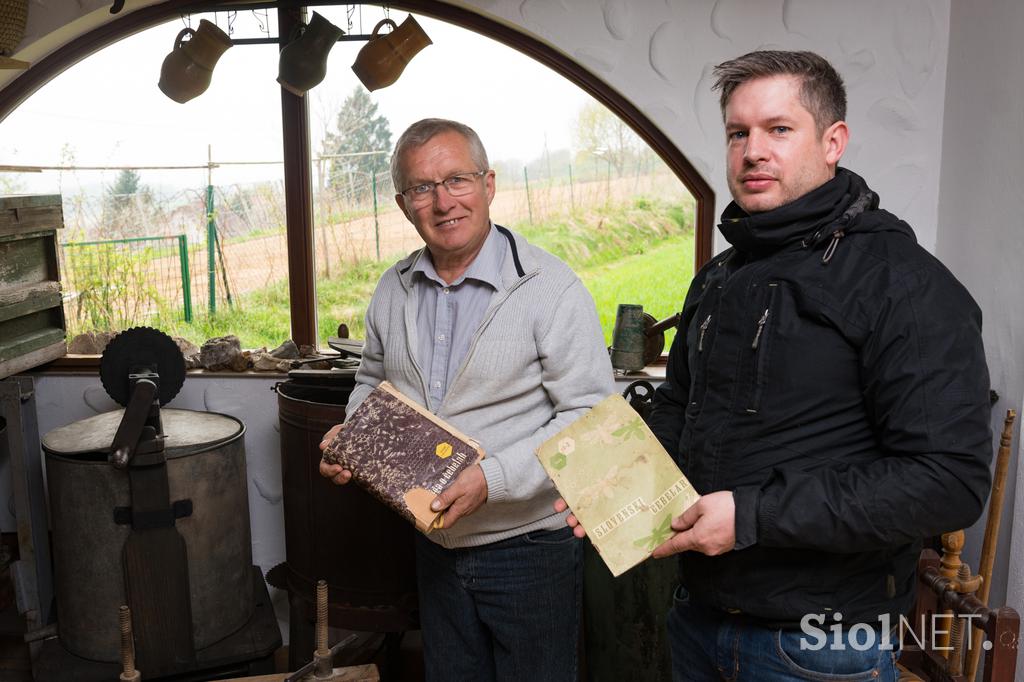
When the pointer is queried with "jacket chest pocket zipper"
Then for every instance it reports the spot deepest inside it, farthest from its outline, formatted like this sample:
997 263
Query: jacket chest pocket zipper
759 348
699 372
703 330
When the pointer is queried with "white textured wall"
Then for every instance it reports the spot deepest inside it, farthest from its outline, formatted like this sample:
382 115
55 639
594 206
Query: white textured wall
659 55
981 235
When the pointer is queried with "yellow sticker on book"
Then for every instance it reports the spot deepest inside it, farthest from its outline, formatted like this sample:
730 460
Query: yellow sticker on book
443 450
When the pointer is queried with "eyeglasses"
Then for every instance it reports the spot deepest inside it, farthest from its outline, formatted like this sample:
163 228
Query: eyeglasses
457 185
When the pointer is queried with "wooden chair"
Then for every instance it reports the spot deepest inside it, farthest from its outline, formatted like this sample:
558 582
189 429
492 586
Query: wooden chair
951 625
936 648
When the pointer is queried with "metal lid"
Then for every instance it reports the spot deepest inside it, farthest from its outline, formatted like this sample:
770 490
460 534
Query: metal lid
187 431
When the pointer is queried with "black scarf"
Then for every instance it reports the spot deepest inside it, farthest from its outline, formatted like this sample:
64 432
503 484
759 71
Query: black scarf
804 220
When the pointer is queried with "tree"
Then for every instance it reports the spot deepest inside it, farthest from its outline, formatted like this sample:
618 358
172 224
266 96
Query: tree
600 133
359 129
122 204
119 195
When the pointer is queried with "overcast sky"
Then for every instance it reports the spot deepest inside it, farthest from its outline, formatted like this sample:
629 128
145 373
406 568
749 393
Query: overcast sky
107 110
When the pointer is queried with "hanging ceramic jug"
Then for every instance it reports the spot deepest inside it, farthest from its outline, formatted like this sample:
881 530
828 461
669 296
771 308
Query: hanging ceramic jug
384 57
303 61
187 70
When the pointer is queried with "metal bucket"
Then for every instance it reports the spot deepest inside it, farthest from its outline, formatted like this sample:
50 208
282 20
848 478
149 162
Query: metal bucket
339 533
205 464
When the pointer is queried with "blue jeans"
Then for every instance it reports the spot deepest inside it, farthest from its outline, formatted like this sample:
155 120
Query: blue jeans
708 645
503 612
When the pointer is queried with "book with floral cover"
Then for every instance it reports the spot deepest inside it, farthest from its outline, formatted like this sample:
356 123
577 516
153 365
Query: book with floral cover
402 454
618 481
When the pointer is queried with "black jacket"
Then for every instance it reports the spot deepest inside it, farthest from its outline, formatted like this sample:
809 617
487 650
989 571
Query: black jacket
830 372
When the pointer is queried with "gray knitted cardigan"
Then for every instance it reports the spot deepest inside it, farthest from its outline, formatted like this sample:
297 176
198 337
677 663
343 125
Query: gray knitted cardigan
536 363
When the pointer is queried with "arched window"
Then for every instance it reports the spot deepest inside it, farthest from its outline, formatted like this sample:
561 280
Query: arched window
316 188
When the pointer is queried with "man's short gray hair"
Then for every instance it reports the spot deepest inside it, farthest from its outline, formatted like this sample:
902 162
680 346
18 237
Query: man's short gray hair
421 132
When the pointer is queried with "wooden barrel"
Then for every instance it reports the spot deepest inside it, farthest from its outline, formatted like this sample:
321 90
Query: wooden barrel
337 533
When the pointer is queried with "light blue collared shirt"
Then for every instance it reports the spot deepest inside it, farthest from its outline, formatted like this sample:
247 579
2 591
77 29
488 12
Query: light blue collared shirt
448 315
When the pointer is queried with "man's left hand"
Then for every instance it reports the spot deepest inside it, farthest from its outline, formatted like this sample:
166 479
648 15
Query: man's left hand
463 497
708 526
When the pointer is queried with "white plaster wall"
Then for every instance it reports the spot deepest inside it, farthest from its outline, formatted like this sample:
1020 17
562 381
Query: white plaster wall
62 400
659 55
980 226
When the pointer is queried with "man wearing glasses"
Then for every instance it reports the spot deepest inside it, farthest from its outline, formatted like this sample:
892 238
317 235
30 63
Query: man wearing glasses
501 339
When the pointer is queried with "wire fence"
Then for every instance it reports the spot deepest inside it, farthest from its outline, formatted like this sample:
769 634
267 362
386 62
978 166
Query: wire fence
191 255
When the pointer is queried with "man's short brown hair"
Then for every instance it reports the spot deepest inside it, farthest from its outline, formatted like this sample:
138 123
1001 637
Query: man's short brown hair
821 88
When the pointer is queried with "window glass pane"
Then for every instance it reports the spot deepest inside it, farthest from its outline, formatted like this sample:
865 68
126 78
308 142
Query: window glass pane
175 213
154 234
571 176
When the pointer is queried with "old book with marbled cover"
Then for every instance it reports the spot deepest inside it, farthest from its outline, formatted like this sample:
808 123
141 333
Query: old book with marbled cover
402 454
618 480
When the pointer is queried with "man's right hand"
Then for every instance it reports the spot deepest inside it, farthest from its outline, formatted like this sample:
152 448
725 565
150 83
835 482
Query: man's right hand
335 472
561 506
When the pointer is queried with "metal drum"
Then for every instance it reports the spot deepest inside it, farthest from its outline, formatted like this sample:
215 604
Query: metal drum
206 465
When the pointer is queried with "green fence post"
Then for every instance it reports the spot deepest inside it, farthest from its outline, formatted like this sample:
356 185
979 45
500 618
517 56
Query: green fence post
529 206
211 246
186 277
376 224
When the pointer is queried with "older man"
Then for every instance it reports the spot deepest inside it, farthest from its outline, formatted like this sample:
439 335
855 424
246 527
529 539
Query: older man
827 394
502 340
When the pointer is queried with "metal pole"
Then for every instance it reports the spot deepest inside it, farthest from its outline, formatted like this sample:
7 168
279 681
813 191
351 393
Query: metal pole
376 222
321 184
572 196
186 277
211 235
529 205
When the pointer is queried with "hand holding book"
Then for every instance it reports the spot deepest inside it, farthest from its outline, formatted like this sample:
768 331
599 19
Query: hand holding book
463 497
577 528
617 479
337 474
407 457
708 526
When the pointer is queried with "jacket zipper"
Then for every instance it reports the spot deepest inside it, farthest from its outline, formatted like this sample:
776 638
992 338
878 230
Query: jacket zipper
410 325
760 351
476 337
760 328
703 330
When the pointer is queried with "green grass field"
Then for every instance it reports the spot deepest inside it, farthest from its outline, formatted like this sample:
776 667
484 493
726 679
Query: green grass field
640 253
656 279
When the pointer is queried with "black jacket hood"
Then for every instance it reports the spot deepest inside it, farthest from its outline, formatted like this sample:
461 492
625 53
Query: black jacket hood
842 205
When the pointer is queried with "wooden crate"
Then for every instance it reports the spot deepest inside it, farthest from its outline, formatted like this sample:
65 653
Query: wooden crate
32 324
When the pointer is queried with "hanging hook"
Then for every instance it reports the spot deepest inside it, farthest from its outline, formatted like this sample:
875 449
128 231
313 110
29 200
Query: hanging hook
117 6
263 22
350 11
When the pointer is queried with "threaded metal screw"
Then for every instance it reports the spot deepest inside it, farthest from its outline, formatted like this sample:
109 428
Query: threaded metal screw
321 617
128 671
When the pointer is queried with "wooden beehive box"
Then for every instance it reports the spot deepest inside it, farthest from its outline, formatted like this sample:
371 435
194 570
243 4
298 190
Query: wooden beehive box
32 325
